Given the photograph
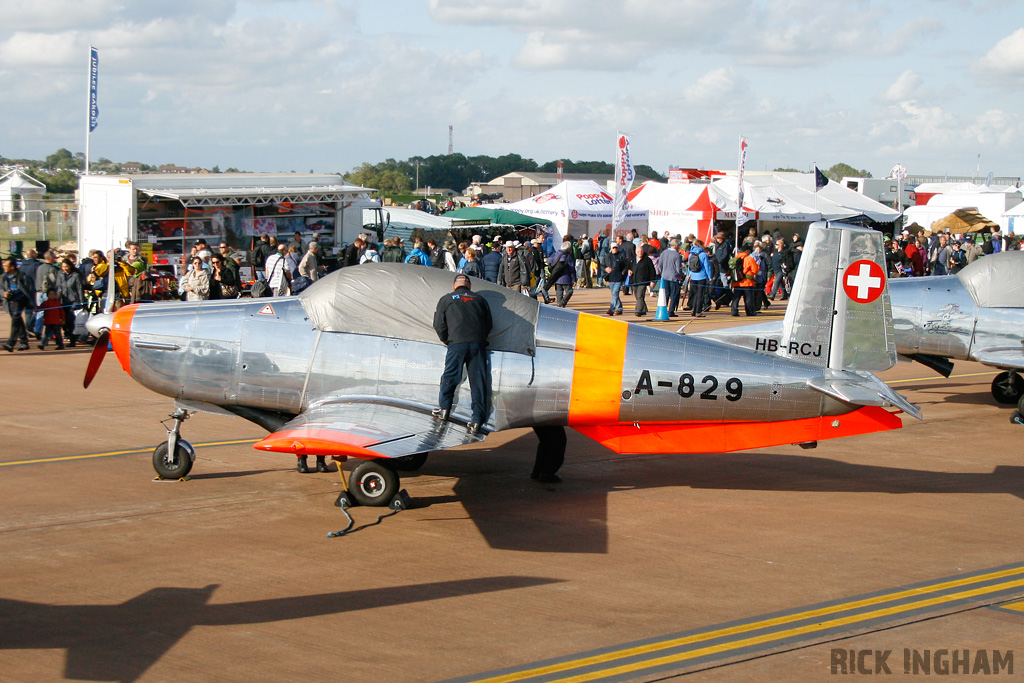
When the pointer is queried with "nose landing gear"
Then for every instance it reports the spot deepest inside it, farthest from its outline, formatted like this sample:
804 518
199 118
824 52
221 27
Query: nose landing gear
173 458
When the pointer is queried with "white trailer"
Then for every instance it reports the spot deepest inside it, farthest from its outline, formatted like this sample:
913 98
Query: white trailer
172 211
882 190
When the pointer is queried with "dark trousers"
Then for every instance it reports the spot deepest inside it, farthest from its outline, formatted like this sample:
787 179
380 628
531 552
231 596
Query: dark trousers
698 296
747 295
562 294
69 325
473 356
550 450
641 299
18 332
672 292
52 331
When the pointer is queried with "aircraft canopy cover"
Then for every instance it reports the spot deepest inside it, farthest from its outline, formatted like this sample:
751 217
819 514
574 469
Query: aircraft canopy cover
996 280
397 300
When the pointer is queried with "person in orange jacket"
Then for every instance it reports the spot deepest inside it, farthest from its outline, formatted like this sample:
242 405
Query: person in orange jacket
743 270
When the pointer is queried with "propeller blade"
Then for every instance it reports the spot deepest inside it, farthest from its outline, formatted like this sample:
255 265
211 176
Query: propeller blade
96 358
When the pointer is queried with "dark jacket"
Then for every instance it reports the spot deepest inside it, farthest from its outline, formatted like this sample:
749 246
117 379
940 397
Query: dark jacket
473 269
568 275
22 289
392 253
70 289
643 272
514 271
618 267
491 264
462 317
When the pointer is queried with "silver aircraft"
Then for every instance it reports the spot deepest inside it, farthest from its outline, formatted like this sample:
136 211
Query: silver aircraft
977 314
351 366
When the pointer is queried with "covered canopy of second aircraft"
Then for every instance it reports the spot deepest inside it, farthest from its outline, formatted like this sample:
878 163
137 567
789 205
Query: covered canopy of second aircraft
398 300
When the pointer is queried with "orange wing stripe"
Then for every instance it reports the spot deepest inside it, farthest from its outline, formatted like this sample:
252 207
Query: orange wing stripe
702 437
318 442
597 370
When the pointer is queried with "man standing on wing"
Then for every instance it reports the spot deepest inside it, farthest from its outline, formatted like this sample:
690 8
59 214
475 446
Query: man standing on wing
462 321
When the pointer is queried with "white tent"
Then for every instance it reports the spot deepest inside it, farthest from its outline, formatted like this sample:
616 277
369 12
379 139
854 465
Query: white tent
577 207
1014 219
990 202
24 186
790 197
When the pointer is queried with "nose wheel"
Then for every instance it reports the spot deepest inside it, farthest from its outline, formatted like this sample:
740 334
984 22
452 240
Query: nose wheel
1008 387
173 458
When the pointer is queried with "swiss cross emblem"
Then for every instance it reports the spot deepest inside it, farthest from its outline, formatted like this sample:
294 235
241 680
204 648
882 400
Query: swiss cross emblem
864 281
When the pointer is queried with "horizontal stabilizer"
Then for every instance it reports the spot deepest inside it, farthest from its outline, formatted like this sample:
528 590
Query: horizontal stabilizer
861 389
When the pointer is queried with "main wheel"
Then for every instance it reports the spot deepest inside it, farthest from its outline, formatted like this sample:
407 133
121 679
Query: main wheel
373 484
408 463
172 468
1007 387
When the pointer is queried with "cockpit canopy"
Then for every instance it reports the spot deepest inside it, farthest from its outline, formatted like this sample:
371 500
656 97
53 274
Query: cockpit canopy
397 300
996 280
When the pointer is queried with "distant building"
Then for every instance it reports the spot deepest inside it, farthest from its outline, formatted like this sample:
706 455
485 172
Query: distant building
516 186
131 167
168 168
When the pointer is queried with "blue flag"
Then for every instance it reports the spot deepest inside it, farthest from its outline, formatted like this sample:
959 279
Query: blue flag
820 180
94 72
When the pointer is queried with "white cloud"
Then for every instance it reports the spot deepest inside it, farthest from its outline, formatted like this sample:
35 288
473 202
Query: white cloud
903 88
1003 65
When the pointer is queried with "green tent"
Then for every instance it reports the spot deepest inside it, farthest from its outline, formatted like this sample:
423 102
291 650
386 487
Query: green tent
496 216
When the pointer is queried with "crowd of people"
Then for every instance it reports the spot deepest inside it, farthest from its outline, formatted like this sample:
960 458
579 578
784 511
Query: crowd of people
49 299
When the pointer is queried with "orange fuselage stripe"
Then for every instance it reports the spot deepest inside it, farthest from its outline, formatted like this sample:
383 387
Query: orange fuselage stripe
597 370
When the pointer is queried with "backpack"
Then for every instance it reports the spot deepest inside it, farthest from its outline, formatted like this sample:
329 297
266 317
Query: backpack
736 269
260 289
300 283
414 260
557 270
693 263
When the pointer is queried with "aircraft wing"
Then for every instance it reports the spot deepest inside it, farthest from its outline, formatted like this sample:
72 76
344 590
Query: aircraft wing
1006 357
365 430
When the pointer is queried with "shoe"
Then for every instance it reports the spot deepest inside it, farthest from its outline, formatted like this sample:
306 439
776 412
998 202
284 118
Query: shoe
71 344
473 428
8 348
301 466
23 347
440 414
60 348
321 465
699 315
618 312
549 479
611 312
40 347
735 315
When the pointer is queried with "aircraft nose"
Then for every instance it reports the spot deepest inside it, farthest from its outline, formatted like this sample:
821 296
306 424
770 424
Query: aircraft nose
99 322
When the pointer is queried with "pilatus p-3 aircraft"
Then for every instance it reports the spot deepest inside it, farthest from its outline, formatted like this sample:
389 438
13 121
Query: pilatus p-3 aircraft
351 367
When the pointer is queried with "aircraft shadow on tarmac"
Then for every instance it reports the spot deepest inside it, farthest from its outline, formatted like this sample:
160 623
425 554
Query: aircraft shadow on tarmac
120 642
229 475
572 517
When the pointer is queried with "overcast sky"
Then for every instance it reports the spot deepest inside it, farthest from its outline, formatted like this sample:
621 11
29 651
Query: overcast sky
270 85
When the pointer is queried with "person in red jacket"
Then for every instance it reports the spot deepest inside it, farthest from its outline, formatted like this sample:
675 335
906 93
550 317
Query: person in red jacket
53 319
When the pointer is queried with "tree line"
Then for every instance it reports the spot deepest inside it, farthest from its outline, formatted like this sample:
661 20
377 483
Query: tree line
457 171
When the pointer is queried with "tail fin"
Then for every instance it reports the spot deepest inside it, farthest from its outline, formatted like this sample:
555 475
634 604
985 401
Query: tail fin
839 316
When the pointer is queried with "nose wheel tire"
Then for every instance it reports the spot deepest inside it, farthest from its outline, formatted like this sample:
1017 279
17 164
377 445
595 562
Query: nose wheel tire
1008 387
372 484
172 467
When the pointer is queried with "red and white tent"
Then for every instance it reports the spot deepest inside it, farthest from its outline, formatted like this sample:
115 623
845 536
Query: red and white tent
577 207
677 208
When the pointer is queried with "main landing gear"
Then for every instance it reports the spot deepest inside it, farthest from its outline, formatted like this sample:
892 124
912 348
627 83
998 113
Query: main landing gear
173 458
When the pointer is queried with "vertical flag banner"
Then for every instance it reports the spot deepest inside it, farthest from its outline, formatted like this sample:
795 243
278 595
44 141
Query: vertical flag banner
741 217
94 72
820 179
623 179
